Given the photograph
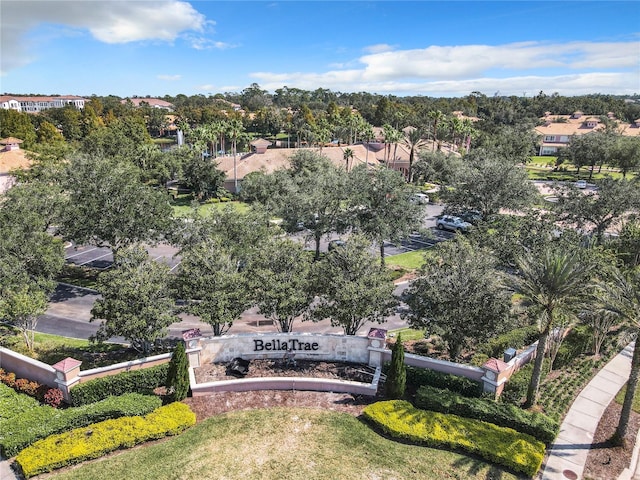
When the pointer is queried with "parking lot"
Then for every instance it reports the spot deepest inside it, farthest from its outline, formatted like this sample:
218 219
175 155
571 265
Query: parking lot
101 258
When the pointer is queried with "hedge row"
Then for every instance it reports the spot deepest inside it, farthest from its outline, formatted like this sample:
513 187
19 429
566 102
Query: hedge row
417 377
137 381
13 403
504 415
517 451
37 423
517 338
101 438
43 393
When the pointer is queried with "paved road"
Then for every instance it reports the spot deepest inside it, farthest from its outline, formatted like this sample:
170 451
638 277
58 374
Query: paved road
69 313
69 310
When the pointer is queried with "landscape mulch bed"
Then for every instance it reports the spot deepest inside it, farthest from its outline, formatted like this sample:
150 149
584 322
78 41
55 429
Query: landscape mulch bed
606 462
222 402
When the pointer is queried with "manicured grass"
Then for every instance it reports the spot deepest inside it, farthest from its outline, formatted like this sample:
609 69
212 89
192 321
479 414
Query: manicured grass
285 443
408 260
182 206
80 276
53 348
636 398
408 333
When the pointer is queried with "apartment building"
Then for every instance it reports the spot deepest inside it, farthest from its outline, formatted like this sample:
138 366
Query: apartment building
38 104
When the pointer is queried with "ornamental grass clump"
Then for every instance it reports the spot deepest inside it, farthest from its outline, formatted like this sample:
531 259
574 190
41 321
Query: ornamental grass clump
504 446
98 439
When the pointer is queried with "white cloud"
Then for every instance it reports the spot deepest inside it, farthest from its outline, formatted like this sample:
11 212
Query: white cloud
569 68
107 21
219 88
203 43
379 48
169 78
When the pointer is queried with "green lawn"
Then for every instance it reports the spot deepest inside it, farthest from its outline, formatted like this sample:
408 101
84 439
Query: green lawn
51 349
182 206
287 444
409 333
636 398
408 260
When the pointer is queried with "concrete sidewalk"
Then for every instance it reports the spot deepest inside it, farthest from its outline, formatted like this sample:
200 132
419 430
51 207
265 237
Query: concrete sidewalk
568 454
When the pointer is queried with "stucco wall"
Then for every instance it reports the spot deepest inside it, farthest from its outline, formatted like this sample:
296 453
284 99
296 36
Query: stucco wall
306 346
25 367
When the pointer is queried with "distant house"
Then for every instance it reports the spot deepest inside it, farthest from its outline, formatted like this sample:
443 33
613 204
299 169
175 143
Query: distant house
260 145
556 130
152 102
11 158
38 104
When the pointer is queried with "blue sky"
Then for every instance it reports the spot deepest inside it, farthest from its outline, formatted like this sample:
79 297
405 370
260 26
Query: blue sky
431 48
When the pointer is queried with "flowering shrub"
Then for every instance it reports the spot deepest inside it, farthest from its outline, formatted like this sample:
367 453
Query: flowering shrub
53 397
101 438
517 451
23 385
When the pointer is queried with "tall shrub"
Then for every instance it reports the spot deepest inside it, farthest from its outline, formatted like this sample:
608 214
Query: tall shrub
397 376
178 375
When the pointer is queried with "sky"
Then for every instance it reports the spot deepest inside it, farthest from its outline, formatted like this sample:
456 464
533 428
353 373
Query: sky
429 48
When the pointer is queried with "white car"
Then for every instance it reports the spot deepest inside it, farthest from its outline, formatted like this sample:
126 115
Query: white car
420 198
581 184
448 222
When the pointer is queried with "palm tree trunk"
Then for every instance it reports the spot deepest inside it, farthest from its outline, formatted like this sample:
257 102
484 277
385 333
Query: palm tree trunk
632 383
534 385
382 254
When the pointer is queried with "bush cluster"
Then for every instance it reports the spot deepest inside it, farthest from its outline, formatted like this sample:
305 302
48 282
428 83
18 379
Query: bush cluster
535 424
101 438
43 393
37 423
137 381
12 403
517 338
417 377
517 451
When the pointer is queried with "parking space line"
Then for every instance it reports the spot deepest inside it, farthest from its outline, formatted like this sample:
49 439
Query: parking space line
94 259
78 254
174 267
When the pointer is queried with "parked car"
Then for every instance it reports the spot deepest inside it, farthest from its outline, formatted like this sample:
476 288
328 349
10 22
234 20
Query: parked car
420 198
333 244
456 224
581 184
472 216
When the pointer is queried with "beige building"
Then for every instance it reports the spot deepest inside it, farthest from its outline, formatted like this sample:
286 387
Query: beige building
556 130
38 104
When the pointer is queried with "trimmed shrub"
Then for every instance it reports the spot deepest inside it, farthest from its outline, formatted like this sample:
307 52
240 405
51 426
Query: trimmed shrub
397 377
53 397
13 403
178 375
417 377
23 385
143 381
517 338
517 451
535 424
40 422
101 438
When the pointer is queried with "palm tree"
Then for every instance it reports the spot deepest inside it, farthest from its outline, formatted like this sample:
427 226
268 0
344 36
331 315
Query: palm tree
391 135
436 116
235 129
553 285
621 297
347 155
413 139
